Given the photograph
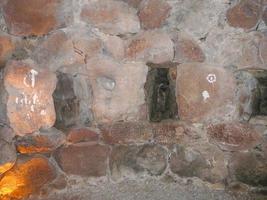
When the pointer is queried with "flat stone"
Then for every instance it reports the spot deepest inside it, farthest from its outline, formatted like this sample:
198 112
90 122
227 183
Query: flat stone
150 46
6 48
249 168
116 97
110 16
126 133
258 120
30 104
27 177
205 93
245 14
43 141
262 50
153 13
83 159
186 49
32 17
234 136
76 135
8 156
134 160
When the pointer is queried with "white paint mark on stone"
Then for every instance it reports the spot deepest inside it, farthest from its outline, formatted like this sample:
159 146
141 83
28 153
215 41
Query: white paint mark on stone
43 112
205 95
32 108
25 83
17 100
33 74
211 78
34 99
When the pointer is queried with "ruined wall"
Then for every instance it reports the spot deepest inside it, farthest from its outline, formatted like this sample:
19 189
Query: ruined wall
119 89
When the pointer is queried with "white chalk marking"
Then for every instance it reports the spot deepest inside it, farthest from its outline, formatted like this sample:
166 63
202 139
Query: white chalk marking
17 100
34 99
205 95
211 78
33 74
43 112
25 83
32 108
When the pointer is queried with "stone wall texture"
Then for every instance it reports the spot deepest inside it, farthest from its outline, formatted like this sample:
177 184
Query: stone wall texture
94 90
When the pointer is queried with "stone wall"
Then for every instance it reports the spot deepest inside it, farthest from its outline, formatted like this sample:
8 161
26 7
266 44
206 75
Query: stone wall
129 89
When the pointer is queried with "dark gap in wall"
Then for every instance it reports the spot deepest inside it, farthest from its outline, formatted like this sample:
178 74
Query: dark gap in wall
160 93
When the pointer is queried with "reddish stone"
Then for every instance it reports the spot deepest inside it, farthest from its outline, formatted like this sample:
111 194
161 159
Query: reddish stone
84 159
27 177
29 104
116 97
204 93
153 13
110 16
233 136
6 48
150 46
76 135
114 41
186 49
127 133
44 141
31 17
245 14
8 156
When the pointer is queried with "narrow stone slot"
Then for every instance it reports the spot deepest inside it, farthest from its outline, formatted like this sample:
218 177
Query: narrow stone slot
160 94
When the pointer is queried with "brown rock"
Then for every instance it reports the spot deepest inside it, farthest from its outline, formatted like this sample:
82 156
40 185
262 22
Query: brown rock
110 16
76 135
150 46
44 141
249 168
233 136
204 92
26 177
8 156
127 133
245 14
186 49
116 97
114 41
153 13
30 104
6 48
32 17
83 159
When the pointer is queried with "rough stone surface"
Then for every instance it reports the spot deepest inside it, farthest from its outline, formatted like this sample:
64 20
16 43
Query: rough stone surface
130 160
204 92
262 50
245 14
133 3
249 168
43 141
186 49
84 159
26 177
6 48
76 135
264 16
8 156
29 105
234 136
150 46
116 97
126 133
32 17
153 13
110 16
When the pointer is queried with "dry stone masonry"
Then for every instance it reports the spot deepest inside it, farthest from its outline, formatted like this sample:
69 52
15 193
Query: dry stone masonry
95 91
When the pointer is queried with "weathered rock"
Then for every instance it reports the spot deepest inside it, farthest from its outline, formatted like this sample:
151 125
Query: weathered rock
116 97
8 156
34 17
249 168
127 133
114 46
6 133
133 160
6 48
186 49
245 14
43 141
110 16
76 135
264 16
29 104
133 3
234 136
258 120
153 13
84 159
150 46
262 50
26 177
205 93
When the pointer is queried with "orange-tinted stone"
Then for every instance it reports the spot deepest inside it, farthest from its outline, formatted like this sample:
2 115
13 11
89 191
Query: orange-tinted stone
76 135
153 13
6 48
